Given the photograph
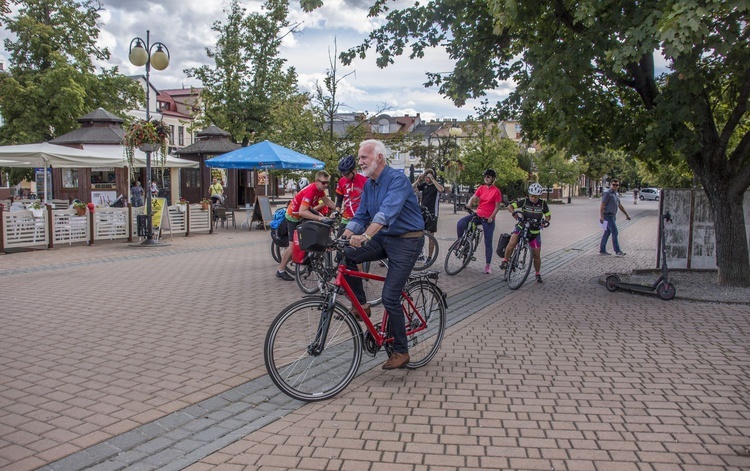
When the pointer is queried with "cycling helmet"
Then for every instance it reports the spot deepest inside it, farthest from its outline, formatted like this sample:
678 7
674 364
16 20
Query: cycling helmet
347 164
490 172
535 189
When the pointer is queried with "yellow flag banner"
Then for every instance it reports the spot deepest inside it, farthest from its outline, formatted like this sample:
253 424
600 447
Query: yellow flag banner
158 207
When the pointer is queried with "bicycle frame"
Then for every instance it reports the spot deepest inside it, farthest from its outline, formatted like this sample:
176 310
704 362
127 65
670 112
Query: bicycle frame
379 336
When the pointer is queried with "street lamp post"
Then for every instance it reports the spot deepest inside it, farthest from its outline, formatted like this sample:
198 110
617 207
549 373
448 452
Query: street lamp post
455 132
140 55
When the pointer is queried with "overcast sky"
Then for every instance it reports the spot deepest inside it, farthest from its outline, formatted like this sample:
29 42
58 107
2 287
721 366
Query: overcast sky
185 27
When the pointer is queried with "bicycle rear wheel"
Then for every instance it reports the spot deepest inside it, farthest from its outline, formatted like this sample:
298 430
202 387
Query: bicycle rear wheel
275 251
429 253
428 300
458 256
287 352
307 277
374 289
519 266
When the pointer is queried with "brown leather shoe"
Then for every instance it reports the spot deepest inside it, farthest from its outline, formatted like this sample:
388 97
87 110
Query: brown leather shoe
355 313
397 360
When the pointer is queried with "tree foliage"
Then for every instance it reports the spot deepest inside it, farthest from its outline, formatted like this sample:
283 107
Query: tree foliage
248 80
587 80
51 79
485 148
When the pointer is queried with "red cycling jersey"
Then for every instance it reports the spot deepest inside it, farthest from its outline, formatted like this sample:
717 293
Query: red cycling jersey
307 198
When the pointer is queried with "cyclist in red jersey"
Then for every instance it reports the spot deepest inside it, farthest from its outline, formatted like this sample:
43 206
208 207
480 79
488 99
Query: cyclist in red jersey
349 190
300 208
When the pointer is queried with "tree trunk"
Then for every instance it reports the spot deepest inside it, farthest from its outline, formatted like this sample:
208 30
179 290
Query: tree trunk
731 241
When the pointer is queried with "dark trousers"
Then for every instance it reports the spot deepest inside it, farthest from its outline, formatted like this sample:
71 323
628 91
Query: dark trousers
489 232
402 255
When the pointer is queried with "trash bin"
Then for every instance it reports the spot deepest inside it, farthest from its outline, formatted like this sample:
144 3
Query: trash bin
141 223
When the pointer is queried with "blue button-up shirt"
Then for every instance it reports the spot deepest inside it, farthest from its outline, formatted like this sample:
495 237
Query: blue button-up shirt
390 201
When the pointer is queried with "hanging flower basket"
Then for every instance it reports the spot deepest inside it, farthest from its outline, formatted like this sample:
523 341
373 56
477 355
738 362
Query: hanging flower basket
148 136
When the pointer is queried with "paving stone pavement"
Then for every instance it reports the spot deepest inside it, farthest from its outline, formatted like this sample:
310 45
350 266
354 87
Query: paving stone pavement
121 358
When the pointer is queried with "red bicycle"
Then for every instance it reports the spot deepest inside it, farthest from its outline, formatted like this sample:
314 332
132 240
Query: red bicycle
314 347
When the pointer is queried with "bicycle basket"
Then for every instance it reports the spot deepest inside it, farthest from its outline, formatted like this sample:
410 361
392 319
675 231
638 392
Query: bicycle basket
313 236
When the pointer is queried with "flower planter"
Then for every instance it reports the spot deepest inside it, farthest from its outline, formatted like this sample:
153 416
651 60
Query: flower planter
37 213
149 146
204 206
80 211
182 208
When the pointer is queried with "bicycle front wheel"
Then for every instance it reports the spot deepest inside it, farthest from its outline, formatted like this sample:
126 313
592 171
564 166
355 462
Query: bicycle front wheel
519 266
292 364
428 300
458 256
429 253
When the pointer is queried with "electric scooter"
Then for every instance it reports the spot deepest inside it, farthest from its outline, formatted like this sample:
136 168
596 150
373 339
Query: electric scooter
664 289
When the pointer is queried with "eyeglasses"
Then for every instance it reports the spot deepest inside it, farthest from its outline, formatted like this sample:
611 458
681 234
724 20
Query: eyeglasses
324 183
614 184
533 196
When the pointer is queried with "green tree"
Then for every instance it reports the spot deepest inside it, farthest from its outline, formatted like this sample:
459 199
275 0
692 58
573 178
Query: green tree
248 79
586 80
332 140
485 148
51 79
600 163
553 168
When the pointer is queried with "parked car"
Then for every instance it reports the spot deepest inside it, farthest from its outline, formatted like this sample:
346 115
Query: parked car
651 194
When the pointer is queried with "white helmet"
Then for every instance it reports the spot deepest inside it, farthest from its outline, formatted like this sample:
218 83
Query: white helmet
535 189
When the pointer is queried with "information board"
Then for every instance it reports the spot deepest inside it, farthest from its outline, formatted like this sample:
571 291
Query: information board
262 211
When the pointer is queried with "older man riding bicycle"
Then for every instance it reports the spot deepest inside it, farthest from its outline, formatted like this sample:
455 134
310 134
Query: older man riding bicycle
387 224
531 207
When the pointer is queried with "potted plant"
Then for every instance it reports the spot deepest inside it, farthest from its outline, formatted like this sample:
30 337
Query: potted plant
37 209
80 208
182 205
148 136
205 203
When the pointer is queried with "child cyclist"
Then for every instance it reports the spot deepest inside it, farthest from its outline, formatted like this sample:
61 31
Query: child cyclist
533 208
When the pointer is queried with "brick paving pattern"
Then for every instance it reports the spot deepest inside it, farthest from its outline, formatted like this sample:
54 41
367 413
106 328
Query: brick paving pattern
121 358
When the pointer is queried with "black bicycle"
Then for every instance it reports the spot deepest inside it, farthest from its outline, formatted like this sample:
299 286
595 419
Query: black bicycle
519 264
461 252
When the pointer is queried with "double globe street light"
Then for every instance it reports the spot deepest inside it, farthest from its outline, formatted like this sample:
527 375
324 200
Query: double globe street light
142 53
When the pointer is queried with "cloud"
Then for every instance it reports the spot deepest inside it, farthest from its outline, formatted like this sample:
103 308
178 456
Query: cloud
184 26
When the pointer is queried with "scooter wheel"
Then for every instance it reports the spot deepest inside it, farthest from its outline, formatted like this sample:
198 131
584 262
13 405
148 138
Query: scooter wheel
611 283
666 291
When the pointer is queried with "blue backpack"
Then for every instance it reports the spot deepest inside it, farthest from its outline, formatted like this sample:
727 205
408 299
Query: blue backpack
278 217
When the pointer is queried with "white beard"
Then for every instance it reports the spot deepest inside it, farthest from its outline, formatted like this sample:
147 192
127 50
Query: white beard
369 171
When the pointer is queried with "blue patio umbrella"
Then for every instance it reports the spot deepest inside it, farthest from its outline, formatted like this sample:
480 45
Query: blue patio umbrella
265 155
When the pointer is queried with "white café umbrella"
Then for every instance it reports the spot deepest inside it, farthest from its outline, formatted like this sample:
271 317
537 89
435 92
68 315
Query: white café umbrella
45 155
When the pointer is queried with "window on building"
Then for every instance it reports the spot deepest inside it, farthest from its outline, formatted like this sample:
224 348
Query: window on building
70 178
103 178
171 134
384 128
181 135
192 177
412 158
